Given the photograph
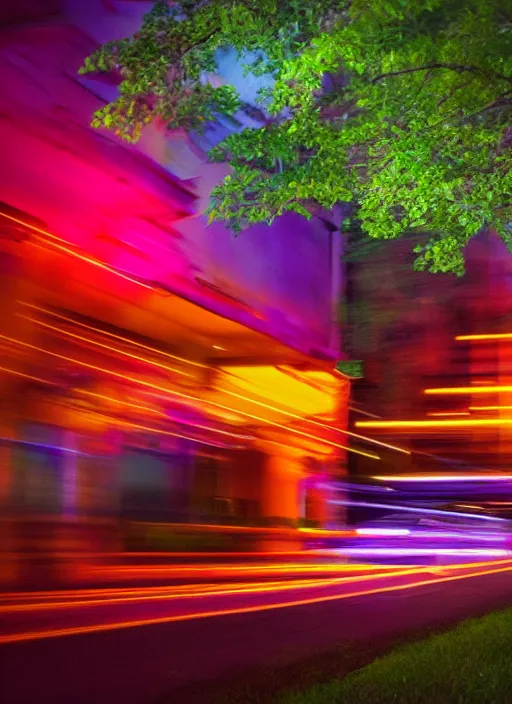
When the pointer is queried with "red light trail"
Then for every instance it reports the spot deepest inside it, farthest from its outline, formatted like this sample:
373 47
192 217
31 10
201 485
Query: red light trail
265 592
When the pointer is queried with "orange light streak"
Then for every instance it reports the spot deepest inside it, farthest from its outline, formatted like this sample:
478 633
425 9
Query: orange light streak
90 341
226 433
220 570
137 406
469 390
449 413
202 527
199 591
159 431
28 376
296 446
112 591
267 440
490 408
113 336
490 336
130 404
141 572
179 394
95 262
161 414
55 240
230 393
115 591
473 423
97 628
122 402
296 416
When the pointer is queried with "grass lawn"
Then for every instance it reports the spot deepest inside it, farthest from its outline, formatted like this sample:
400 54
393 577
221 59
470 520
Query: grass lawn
471 664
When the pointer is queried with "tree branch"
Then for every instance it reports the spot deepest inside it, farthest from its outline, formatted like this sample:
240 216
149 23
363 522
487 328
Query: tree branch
200 42
459 68
501 102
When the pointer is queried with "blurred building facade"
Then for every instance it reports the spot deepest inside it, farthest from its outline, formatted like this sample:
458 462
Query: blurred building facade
405 324
152 368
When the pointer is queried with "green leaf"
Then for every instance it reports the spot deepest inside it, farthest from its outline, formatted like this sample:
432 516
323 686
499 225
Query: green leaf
401 107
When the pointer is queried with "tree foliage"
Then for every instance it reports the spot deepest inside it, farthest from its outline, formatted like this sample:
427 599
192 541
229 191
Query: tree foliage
401 108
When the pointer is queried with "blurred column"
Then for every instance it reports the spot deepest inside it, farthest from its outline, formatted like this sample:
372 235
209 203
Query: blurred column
114 538
8 535
69 464
325 491
13 286
182 481
318 490
9 272
336 465
114 440
282 475
107 534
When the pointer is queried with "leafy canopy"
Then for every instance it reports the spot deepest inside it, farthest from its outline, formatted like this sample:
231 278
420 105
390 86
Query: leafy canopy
401 108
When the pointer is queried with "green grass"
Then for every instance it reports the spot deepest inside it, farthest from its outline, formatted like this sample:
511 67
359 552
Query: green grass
471 664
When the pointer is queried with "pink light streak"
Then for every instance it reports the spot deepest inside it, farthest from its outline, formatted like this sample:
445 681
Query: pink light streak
444 478
396 508
420 552
382 531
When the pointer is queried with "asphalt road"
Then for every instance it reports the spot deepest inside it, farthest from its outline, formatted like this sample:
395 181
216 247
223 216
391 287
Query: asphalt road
176 661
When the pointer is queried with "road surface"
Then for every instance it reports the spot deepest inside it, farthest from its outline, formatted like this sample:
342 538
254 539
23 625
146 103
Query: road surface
157 644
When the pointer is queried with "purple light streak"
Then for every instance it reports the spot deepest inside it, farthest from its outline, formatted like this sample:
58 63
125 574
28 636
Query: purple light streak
424 511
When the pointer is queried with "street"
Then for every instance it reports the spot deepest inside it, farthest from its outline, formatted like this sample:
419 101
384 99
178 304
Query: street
161 644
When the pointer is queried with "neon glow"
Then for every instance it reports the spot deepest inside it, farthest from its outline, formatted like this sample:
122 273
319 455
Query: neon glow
414 509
